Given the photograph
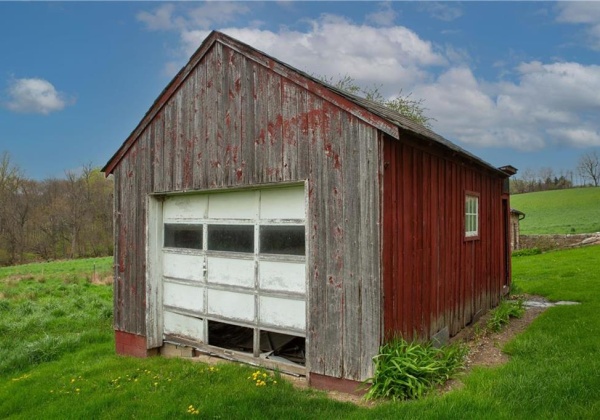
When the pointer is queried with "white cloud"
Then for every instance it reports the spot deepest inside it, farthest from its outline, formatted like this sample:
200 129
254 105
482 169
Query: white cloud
549 104
583 13
36 96
209 14
334 46
441 11
160 19
385 16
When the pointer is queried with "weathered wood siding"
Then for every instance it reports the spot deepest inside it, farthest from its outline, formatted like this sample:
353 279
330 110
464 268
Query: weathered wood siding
236 122
433 277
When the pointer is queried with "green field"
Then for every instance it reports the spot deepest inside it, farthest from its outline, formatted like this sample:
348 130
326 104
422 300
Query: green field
575 210
57 359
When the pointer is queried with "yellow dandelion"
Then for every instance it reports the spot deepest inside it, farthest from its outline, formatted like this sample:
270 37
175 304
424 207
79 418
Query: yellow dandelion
77 389
72 380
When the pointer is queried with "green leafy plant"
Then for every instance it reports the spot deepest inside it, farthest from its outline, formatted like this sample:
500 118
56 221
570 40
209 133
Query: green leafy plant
406 370
500 316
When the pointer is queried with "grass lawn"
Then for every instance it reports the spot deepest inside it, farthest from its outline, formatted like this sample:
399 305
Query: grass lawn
574 210
554 371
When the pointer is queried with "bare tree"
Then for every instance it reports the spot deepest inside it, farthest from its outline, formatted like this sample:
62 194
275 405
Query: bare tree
589 167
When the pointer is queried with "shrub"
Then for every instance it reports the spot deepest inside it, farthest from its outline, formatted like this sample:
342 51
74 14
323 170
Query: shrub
409 370
500 316
526 252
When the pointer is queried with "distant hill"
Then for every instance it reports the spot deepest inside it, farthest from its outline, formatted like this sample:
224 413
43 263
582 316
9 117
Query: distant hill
575 210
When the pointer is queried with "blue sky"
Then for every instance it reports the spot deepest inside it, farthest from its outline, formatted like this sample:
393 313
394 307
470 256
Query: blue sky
513 82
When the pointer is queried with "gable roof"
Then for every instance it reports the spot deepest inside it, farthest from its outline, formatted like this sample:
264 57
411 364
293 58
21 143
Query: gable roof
375 114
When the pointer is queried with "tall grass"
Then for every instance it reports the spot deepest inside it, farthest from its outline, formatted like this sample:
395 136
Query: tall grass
48 310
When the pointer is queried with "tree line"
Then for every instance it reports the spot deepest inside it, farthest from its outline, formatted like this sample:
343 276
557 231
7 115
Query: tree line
54 218
587 173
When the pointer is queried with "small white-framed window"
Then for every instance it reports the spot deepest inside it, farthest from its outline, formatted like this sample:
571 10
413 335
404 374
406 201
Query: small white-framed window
471 215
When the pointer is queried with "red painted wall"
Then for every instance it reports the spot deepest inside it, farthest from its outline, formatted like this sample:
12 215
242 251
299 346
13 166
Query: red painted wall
433 277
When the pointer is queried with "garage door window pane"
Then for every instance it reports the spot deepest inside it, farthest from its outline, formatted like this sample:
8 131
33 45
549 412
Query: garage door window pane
234 238
287 240
183 236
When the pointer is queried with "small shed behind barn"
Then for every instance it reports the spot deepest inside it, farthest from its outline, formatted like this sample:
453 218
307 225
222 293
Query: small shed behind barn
515 229
265 215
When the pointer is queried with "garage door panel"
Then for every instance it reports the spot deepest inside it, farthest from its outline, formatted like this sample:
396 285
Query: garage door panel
183 266
234 272
231 305
282 312
183 325
282 276
185 207
184 296
233 205
282 203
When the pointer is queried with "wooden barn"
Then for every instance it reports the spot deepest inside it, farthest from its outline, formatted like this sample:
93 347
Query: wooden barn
264 216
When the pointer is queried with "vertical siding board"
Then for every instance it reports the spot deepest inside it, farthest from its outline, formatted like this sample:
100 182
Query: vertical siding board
262 120
118 249
318 340
232 94
188 118
274 128
248 133
371 288
351 277
179 137
335 247
290 119
199 128
389 238
213 90
303 155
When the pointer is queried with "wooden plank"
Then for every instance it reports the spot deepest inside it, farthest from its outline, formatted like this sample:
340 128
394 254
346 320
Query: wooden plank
213 82
261 117
353 234
317 258
274 140
248 128
232 94
331 195
289 130
370 153
199 127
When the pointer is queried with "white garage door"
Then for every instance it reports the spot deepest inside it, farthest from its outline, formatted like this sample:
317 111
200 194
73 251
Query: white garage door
234 264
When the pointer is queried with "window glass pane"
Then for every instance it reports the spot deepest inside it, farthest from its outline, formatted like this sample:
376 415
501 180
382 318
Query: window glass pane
183 236
471 215
234 238
282 239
